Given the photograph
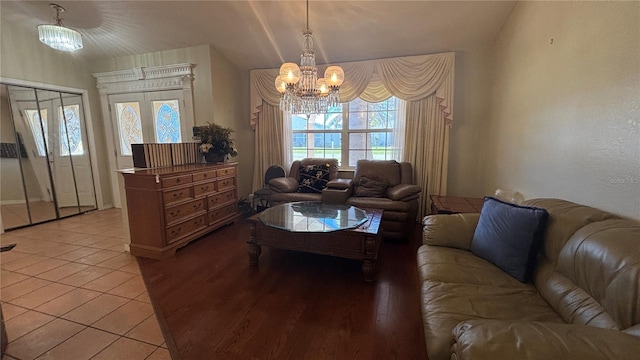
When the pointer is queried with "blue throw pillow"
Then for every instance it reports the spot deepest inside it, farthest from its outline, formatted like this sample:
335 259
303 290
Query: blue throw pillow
313 178
509 236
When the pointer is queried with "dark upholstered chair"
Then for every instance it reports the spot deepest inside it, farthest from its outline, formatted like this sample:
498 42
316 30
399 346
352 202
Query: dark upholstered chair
285 189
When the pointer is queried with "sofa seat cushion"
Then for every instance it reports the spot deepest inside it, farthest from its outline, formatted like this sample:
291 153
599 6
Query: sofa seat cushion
495 339
452 265
444 305
458 286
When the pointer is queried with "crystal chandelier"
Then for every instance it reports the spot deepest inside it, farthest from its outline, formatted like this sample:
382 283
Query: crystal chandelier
59 37
302 91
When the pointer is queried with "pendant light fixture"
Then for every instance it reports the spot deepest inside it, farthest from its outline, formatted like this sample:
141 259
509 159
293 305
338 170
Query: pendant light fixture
58 36
301 90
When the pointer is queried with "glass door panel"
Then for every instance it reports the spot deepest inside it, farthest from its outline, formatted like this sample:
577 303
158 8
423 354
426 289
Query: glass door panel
59 157
129 125
13 204
166 118
75 131
31 121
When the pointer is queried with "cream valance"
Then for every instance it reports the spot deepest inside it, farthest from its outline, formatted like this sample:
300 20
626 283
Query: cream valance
410 78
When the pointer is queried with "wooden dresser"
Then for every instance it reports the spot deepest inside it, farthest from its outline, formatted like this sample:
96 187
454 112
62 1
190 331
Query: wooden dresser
169 207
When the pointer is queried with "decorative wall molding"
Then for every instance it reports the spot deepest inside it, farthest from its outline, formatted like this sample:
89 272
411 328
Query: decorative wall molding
140 79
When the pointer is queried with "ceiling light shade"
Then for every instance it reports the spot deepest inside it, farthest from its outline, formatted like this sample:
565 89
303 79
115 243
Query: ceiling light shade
334 75
58 36
281 85
304 92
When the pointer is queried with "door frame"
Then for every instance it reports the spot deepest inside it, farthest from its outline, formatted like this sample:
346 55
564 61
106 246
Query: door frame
141 79
88 125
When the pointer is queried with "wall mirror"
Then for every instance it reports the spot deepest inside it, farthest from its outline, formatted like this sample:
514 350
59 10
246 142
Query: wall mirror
45 164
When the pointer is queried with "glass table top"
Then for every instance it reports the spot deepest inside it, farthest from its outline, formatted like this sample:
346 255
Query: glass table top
313 216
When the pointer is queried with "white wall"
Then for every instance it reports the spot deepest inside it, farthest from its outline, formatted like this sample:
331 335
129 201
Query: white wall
471 105
564 119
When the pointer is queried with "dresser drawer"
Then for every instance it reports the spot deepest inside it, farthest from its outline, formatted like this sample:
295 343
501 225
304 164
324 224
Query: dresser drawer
175 213
176 180
228 183
177 231
221 198
204 188
223 212
172 196
226 171
205 175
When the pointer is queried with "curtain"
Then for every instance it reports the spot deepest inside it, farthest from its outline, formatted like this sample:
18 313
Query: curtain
270 144
425 82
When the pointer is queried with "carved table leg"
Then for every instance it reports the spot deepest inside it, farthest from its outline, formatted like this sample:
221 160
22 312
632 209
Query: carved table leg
369 270
254 254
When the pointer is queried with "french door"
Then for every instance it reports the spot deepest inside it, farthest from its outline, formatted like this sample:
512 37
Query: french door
146 117
56 165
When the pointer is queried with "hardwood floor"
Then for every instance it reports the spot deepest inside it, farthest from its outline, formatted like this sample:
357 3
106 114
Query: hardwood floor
212 305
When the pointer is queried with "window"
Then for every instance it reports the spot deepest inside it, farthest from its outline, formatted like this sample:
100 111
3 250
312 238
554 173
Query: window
130 125
348 132
166 115
72 119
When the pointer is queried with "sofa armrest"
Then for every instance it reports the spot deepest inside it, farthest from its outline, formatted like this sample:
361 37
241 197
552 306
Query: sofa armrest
284 185
403 191
455 230
501 339
339 184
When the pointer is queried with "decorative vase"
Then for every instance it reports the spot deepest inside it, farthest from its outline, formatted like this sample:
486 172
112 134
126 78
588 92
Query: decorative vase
214 158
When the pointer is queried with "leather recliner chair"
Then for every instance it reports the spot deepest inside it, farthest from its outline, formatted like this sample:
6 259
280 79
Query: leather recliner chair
285 189
387 185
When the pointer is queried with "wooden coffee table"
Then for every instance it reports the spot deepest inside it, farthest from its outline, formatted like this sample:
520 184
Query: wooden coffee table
319 231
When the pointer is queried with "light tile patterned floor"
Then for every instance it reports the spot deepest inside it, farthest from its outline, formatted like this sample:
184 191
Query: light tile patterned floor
70 291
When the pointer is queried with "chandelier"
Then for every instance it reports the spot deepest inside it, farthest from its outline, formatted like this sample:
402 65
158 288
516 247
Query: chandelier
59 37
301 90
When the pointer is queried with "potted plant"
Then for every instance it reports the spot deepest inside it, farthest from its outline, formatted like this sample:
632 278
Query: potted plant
215 142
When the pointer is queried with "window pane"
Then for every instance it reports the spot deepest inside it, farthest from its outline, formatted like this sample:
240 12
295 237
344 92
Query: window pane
74 139
355 155
130 126
358 120
298 122
357 141
378 120
36 130
299 146
167 121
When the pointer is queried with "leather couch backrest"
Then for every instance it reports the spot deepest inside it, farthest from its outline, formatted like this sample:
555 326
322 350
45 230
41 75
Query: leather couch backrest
390 170
333 166
603 258
565 218
589 267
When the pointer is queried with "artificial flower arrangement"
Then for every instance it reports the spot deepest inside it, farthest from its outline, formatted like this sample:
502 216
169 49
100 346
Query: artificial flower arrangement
215 140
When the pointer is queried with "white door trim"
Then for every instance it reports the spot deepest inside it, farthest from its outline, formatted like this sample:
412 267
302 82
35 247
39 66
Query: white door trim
141 79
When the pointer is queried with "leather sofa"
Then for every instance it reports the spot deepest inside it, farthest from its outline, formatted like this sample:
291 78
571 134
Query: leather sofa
583 302
398 197
285 189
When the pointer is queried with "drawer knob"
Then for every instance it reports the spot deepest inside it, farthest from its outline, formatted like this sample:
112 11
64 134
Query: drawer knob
178 180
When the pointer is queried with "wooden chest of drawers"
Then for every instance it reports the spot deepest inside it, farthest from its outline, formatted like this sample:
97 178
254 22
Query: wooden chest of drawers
169 207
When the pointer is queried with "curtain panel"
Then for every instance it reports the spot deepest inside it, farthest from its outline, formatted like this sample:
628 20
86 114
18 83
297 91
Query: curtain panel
425 82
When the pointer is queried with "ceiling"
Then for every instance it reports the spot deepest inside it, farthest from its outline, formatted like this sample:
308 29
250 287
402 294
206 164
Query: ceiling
263 34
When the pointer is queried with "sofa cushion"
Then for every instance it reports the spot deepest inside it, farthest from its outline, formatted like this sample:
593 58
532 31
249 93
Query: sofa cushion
313 178
389 170
370 187
509 236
